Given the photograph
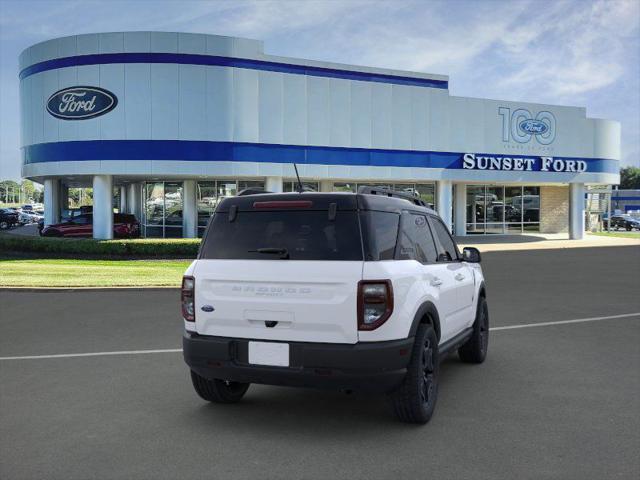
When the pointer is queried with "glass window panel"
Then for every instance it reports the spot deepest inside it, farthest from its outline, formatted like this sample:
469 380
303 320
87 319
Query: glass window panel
206 200
344 187
475 209
154 203
292 186
173 204
427 192
245 184
494 205
531 204
226 188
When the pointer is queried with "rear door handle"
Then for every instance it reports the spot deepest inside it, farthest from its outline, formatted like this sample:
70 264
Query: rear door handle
459 277
436 282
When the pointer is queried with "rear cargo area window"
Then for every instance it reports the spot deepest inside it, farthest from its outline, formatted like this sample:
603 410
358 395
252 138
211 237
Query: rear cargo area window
380 231
283 235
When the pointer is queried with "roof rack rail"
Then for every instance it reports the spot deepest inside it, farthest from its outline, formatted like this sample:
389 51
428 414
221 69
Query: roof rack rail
252 191
387 192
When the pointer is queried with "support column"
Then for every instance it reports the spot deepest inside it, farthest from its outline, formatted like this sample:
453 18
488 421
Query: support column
326 185
103 207
273 184
134 200
123 199
189 210
51 201
576 211
64 196
443 202
460 214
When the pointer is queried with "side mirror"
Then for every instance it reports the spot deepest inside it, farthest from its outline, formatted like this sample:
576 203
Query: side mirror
471 255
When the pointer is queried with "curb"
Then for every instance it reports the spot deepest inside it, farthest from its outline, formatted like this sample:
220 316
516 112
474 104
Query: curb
91 289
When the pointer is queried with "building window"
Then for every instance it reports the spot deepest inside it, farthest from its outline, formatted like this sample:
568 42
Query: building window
501 209
426 191
162 213
292 186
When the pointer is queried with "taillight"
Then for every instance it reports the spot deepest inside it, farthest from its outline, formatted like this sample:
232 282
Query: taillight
375 303
187 297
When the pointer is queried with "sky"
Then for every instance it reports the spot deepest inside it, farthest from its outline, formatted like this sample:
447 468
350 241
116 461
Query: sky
576 52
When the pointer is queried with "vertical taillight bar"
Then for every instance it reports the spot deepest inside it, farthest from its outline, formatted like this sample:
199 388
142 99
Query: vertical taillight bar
188 298
375 303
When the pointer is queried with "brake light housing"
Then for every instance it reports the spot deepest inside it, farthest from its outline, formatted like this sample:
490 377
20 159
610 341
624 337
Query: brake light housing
187 296
375 303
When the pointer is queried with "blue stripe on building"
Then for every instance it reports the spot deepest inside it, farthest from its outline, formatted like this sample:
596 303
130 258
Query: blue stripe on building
211 60
201 151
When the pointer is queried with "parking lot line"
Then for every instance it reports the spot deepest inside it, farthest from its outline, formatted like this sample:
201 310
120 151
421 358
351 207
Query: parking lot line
179 350
563 322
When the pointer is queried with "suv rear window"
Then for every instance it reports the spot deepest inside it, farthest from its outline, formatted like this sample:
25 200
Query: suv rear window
298 235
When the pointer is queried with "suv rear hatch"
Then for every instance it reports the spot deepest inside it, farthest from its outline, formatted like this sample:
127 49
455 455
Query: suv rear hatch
281 267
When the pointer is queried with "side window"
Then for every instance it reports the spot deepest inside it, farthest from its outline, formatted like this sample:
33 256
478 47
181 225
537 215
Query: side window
380 233
447 250
416 242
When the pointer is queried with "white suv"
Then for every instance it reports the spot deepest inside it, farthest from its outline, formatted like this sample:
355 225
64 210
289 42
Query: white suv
363 291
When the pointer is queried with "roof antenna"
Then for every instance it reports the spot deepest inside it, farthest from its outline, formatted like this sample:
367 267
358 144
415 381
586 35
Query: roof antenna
300 187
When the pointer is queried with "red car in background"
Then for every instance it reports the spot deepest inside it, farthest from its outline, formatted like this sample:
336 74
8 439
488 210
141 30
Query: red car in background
124 226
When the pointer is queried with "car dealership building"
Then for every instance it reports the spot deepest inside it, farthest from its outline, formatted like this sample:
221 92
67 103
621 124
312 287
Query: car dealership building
173 122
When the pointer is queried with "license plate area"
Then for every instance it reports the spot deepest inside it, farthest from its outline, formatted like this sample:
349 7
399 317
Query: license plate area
269 353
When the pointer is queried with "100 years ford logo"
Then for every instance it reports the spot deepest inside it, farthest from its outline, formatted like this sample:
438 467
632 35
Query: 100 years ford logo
533 126
81 103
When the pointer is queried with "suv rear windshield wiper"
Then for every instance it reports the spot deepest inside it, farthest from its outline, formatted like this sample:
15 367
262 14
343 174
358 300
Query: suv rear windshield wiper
283 252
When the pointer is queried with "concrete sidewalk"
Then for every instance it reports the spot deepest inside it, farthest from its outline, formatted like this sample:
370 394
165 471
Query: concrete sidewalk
491 243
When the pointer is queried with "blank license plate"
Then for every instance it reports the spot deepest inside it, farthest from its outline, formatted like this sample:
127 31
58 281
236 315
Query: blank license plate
269 353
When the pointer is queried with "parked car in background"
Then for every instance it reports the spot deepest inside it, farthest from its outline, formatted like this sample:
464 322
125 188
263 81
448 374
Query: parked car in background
8 218
124 226
625 221
26 217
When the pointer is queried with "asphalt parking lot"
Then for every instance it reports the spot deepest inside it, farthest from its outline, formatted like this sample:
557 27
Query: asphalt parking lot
554 401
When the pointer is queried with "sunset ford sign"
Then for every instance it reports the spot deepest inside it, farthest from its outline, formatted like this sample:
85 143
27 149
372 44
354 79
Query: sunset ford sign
81 103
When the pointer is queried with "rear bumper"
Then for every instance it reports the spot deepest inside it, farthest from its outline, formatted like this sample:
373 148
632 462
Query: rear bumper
370 367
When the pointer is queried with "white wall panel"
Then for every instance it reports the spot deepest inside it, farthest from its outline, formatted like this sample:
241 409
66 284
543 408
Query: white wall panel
193 108
67 129
419 118
439 120
295 109
88 44
401 117
361 114
339 112
49 87
89 129
219 103
137 42
137 95
111 42
26 112
164 42
37 109
271 105
164 101
67 46
219 45
317 111
245 105
381 115
113 125
193 43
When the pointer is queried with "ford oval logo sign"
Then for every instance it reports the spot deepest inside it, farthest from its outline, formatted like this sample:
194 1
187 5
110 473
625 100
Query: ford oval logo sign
533 126
81 103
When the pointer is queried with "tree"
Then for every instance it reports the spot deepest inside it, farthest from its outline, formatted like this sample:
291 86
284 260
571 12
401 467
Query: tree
630 178
28 190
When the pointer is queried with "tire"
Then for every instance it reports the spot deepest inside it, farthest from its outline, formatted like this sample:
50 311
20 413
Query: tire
4 225
629 228
475 349
415 399
218 391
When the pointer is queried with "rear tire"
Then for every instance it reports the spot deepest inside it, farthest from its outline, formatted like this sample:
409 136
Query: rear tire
218 391
475 349
4 225
415 399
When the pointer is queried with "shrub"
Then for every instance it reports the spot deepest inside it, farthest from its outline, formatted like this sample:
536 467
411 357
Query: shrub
88 247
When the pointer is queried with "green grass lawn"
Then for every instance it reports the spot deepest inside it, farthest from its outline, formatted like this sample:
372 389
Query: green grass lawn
620 234
91 273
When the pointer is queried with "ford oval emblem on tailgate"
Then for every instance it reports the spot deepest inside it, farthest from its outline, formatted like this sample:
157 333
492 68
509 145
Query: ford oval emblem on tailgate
207 308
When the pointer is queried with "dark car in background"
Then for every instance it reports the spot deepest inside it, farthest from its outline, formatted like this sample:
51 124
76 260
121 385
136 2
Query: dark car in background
625 221
8 218
124 226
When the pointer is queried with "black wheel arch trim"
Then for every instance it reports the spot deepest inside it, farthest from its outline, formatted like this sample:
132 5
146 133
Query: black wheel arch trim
426 309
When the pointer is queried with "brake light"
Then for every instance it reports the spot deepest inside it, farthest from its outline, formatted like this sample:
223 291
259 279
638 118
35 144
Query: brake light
375 303
188 298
